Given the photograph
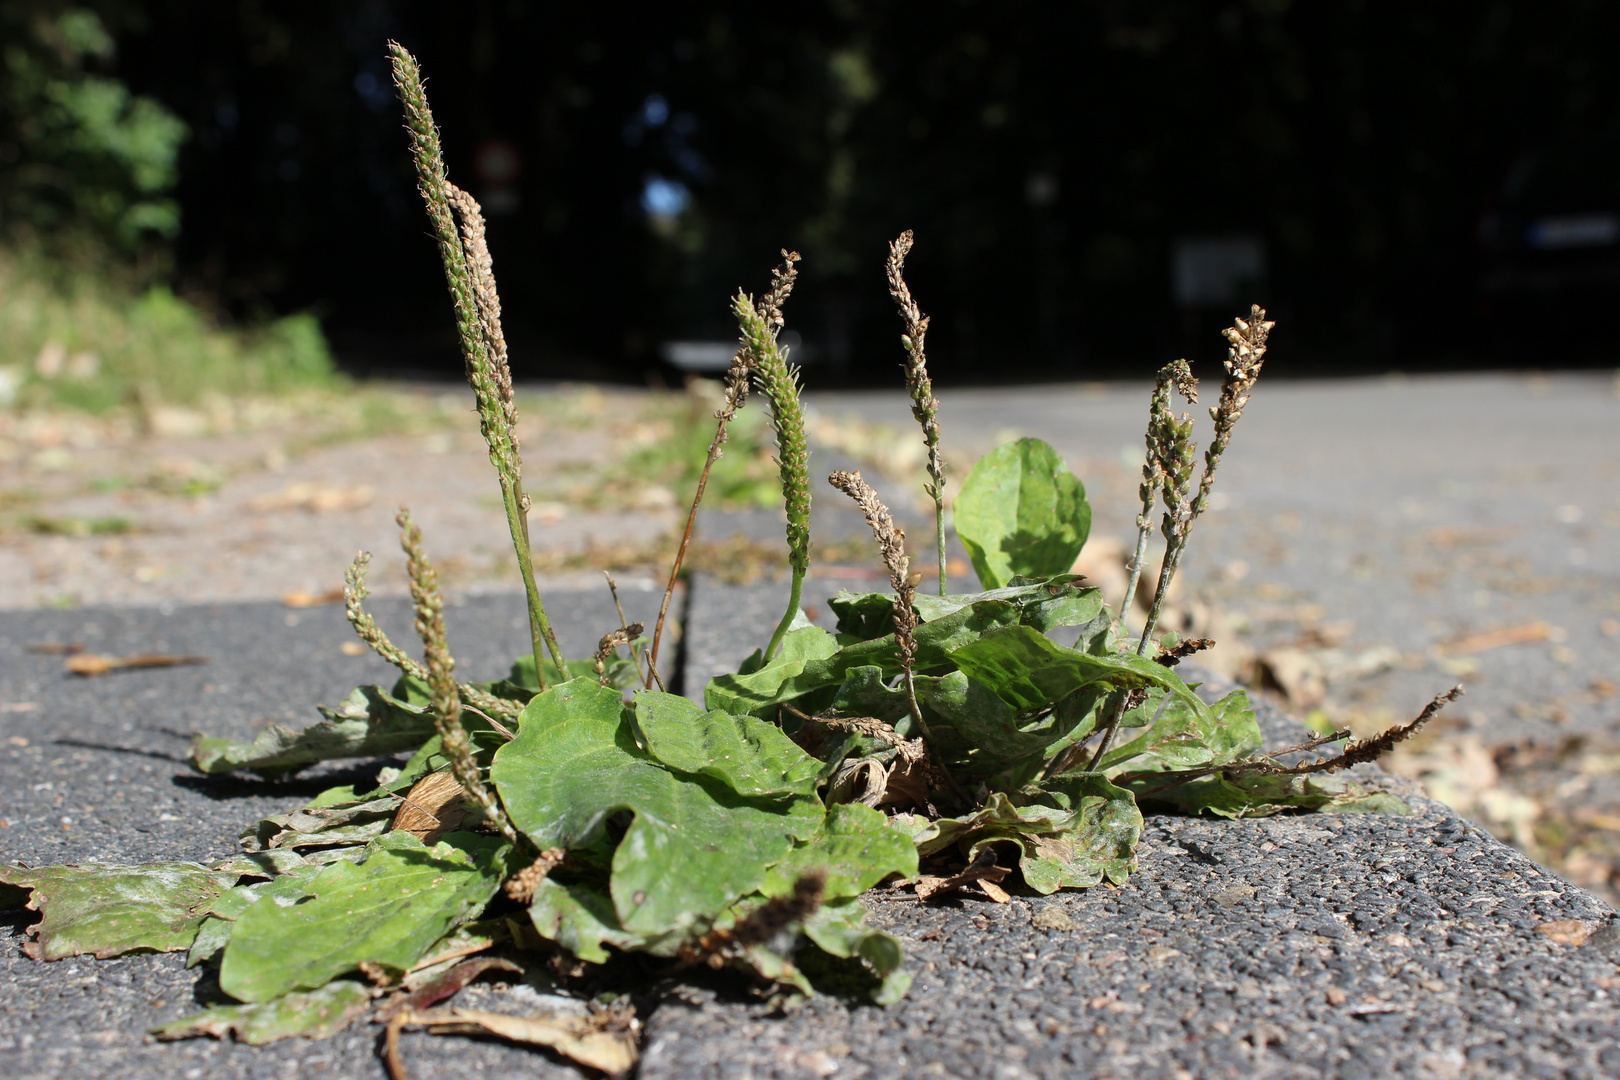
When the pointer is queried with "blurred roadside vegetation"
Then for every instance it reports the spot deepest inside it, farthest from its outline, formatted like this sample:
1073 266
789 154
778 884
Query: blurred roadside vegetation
87 218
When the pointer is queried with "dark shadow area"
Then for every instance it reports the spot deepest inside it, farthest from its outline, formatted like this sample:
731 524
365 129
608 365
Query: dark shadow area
1095 188
222 787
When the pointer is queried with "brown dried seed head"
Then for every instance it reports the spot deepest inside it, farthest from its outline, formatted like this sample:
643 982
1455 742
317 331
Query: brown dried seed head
522 885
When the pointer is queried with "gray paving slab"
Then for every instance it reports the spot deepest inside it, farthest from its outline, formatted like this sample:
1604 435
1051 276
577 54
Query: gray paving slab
1300 945
96 773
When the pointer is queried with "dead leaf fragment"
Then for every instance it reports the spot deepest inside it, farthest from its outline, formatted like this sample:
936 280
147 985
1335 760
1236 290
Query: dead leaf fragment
434 806
1565 931
1494 639
1233 895
89 664
576 1037
982 871
313 497
57 648
447 985
302 598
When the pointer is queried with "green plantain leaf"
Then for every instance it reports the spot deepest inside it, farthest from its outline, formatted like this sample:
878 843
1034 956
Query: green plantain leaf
1184 737
855 848
1099 843
107 910
748 755
370 723
1028 670
1253 795
1021 512
581 919
317 1014
759 693
694 846
388 910
287 887
1061 600
837 929
318 826
1085 832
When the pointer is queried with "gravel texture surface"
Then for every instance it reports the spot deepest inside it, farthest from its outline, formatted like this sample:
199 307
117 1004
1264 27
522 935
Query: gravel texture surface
95 772
1300 945
1422 512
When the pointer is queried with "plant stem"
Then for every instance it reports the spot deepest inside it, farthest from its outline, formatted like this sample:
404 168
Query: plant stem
924 405
735 395
779 381
795 591
429 603
468 273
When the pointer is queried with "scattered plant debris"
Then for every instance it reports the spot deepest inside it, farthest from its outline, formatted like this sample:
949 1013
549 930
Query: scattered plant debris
95 664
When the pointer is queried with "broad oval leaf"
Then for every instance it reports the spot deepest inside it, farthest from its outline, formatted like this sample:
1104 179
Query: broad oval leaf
748 755
1028 670
388 910
1021 512
369 723
855 849
695 845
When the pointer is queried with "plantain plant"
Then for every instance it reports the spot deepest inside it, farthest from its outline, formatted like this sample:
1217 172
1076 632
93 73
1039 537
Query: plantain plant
571 815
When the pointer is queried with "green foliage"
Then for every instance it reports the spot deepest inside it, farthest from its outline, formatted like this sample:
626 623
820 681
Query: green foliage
742 832
107 911
91 159
1021 513
314 1015
387 911
82 338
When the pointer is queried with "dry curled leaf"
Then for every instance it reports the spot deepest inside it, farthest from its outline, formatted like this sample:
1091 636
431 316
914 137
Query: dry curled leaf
983 871
434 806
446 985
88 664
583 1039
302 598
57 648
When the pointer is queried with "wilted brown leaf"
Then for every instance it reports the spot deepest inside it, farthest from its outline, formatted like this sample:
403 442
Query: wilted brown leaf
95 664
316 498
983 871
581 1038
1494 639
448 984
301 598
434 806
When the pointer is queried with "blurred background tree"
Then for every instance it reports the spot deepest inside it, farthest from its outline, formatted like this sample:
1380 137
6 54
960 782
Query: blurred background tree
1094 185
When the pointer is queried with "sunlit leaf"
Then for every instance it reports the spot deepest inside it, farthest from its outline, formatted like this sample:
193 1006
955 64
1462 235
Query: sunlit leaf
1021 512
748 755
314 1014
108 910
694 845
370 723
388 911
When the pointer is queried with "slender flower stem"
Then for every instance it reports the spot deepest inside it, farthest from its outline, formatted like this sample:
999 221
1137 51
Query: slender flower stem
779 382
924 405
429 603
467 271
891 540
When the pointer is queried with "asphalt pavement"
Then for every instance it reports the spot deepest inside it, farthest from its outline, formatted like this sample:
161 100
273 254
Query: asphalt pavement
1421 511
